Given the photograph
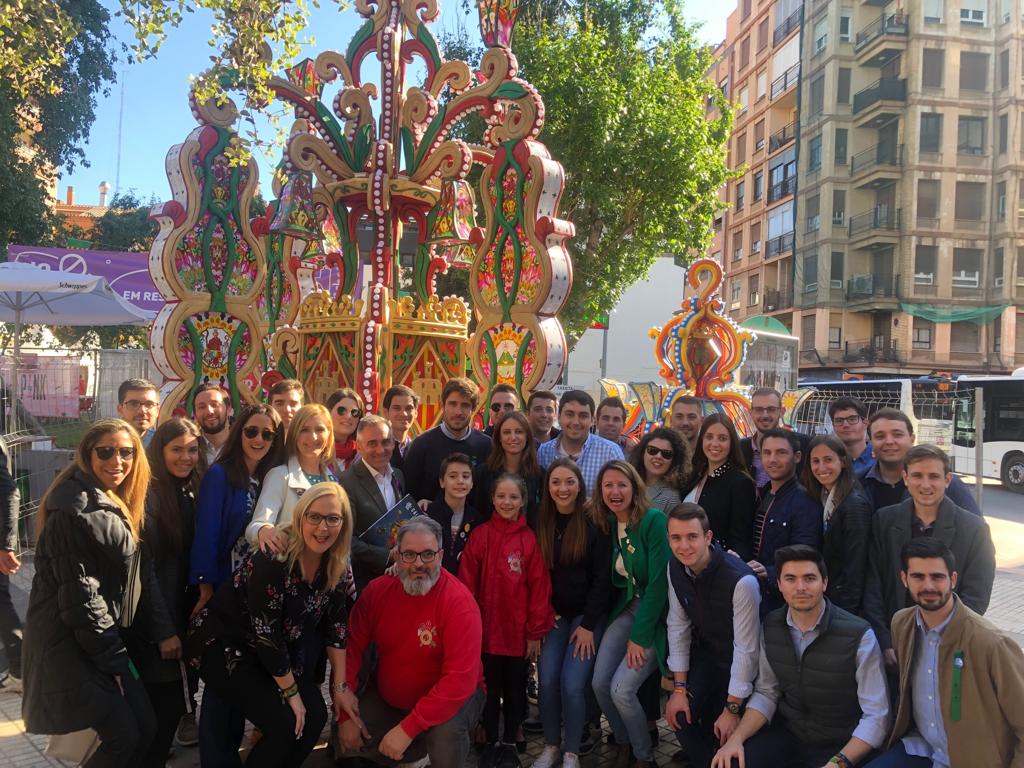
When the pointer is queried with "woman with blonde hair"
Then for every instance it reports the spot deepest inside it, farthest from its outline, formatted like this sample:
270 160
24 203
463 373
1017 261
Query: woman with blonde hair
308 456
77 671
253 642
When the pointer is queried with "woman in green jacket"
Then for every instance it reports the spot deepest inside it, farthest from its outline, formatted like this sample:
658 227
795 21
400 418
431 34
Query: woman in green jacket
635 639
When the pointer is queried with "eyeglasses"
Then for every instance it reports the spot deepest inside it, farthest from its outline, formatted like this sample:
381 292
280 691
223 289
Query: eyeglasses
766 410
850 420
427 556
355 413
665 453
148 405
106 452
331 521
252 432
499 407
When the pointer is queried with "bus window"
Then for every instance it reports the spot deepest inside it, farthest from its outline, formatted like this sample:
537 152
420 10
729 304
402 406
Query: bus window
1007 422
964 432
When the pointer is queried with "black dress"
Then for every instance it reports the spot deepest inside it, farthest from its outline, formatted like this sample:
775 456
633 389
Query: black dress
729 499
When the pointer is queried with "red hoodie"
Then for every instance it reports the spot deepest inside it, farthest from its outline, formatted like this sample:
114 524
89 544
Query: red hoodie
503 568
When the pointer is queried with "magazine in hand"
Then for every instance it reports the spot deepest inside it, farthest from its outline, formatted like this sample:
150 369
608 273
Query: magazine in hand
384 530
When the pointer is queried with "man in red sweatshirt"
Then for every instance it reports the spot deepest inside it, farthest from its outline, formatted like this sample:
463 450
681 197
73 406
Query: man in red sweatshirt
426 692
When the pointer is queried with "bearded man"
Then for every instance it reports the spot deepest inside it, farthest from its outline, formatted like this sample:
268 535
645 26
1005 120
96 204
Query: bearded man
426 692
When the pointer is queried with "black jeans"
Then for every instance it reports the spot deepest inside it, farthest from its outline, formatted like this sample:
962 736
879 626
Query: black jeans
707 688
246 686
10 627
506 694
168 702
127 730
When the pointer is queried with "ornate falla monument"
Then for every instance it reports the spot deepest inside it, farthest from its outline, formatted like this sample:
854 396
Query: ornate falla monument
282 295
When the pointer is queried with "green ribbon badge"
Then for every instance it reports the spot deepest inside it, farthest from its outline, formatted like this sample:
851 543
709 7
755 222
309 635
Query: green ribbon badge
958 667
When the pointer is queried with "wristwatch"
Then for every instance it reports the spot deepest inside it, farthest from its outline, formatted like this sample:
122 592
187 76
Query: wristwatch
734 708
340 687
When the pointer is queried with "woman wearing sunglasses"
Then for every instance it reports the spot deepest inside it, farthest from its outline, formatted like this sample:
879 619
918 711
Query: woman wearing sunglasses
252 643
661 460
77 674
346 407
512 452
308 459
227 498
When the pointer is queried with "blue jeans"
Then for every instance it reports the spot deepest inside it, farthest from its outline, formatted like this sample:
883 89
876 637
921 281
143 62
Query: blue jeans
616 685
897 757
563 684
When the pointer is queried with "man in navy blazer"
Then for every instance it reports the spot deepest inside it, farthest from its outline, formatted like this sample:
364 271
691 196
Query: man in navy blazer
785 513
373 487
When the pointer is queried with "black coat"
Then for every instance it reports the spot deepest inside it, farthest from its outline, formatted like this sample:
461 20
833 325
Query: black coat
368 561
845 550
729 500
72 647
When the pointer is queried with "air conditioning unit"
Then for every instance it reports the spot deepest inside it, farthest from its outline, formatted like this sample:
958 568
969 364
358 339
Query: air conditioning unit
810 288
1020 282
999 281
924 278
835 284
755 247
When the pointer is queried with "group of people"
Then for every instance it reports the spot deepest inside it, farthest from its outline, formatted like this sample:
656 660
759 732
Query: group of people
781 599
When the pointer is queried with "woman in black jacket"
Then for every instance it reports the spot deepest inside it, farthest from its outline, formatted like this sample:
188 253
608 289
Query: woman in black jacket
77 671
828 476
259 639
579 558
176 463
721 485
514 451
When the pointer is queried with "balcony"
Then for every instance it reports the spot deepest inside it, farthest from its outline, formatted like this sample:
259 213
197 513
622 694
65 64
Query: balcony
782 137
777 300
876 3
872 287
780 245
886 154
881 218
882 40
887 89
871 351
781 189
791 24
785 81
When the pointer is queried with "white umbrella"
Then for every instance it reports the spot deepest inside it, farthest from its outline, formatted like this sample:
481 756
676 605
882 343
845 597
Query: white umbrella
30 294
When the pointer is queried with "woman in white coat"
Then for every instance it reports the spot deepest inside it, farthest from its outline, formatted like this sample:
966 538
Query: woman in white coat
309 452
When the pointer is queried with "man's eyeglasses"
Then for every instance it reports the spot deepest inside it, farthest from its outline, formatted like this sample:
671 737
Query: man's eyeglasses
499 407
315 518
766 410
840 421
106 452
665 453
355 413
427 556
252 432
148 405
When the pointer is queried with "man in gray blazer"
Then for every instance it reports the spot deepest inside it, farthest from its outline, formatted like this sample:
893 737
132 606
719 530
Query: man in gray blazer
373 487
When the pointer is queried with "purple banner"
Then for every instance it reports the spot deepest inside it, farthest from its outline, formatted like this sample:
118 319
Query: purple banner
127 273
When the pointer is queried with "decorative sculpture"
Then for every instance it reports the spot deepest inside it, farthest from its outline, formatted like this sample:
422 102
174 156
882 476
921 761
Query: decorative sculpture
284 292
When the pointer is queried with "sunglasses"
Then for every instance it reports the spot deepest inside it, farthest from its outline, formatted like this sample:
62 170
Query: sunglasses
252 432
315 518
665 453
355 413
498 407
106 452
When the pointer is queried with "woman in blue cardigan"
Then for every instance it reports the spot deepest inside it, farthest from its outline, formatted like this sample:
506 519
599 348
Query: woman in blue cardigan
227 496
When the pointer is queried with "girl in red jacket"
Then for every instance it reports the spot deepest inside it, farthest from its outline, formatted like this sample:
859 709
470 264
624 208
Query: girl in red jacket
503 568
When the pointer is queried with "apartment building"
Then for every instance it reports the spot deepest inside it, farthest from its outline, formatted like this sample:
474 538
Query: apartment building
904 247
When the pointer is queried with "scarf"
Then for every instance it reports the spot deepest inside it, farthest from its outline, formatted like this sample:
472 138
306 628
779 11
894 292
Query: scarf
345 452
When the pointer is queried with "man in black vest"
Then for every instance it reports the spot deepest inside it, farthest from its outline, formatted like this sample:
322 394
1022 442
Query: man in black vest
714 635
820 681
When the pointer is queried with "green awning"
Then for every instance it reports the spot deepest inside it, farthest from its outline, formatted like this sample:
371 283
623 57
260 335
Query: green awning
977 315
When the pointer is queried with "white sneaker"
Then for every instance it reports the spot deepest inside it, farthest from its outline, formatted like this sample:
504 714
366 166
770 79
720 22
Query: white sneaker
11 684
570 760
548 757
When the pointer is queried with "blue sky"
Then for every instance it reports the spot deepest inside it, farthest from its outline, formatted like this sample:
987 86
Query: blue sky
155 112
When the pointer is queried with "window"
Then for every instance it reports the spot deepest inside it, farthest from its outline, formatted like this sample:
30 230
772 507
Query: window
970 201
810 273
758 184
922 333
973 71
737 246
964 337
814 153
745 53
762 35
741 149
755 237
807 332
744 98
844 29
843 86
966 268
970 135
925 260
753 289
933 11
1004 68
835 274
724 88
740 194
780 220
1005 7
840 148
973 13
736 288
933 61
813 213
817 95
820 34
927 199
747 4
1004 132
759 136
839 206
762 84
931 132
997 268
1001 201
